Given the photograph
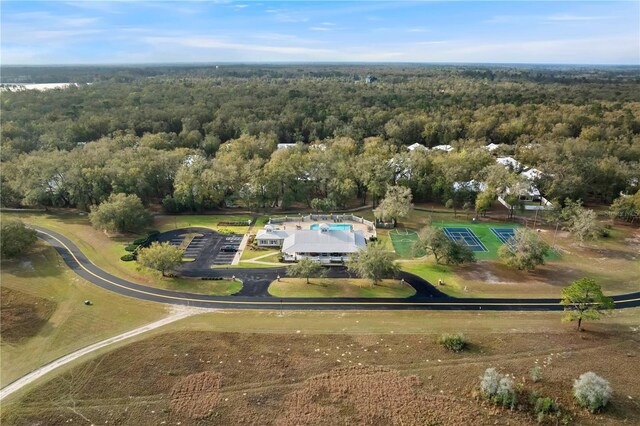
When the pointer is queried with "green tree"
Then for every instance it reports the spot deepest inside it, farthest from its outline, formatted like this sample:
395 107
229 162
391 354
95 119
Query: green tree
161 257
582 223
306 268
458 252
373 262
323 204
120 213
484 201
626 207
16 238
583 300
395 205
525 251
432 240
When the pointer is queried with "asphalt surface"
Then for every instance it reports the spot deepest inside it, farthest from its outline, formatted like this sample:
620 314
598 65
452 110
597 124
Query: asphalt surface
254 294
204 249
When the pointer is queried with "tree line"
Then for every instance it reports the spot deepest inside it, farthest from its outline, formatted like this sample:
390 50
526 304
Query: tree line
197 138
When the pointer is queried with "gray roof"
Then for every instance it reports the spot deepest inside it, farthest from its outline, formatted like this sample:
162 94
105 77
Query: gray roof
332 241
275 234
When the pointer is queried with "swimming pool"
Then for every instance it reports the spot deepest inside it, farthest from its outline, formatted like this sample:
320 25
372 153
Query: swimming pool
333 226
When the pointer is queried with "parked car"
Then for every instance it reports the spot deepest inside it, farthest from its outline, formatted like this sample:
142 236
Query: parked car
229 249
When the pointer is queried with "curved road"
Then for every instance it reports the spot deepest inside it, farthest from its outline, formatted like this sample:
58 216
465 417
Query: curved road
256 281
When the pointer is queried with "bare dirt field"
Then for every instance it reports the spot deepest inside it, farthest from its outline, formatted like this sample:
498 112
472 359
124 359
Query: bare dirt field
205 377
22 315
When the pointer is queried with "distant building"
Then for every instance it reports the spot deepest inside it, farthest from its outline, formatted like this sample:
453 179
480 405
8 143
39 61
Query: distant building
509 162
472 186
286 145
531 173
417 146
446 148
370 79
492 146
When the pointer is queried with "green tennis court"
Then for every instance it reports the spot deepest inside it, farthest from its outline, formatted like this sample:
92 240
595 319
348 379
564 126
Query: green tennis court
490 235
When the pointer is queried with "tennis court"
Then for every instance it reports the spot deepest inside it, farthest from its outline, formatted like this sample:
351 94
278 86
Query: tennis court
505 235
466 235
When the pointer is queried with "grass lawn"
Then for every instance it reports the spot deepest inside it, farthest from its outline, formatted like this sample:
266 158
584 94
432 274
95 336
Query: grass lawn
339 287
42 275
106 251
168 223
210 287
252 253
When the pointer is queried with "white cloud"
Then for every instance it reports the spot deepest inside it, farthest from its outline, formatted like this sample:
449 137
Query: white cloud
214 43
329 24
319 29
566 17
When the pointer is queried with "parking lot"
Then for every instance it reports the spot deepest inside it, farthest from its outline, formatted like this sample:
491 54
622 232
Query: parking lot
207 248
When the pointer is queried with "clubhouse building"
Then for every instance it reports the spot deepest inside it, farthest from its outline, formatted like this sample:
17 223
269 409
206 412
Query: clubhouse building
323 243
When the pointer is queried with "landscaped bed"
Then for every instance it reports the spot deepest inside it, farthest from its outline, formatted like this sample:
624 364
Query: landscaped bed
339 287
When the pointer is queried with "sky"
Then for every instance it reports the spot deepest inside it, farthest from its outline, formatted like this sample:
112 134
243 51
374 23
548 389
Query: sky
122 32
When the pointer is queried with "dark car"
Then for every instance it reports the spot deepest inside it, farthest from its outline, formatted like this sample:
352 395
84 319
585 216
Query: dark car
229 249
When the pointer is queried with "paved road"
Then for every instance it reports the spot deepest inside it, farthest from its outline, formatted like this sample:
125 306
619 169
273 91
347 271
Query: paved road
256 281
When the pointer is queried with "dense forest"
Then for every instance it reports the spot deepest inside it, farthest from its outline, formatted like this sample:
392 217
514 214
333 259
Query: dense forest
199 137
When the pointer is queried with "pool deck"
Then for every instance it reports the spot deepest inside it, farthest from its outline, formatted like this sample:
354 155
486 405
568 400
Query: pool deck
307 225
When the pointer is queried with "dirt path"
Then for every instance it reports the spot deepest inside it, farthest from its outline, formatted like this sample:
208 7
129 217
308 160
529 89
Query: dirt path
178 313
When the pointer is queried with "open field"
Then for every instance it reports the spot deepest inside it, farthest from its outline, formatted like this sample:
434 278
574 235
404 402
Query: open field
339 287
53 320
294 371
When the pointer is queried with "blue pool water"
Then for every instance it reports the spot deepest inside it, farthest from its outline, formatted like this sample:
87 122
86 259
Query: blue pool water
333 226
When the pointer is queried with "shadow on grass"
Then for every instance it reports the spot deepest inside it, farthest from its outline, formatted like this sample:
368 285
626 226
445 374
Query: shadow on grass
37 263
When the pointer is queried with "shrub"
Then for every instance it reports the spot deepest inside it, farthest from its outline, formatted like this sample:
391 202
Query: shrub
506 394
131 247
536 374
544 406
153 233
489 382
140 240
127 258
592 391
453 342
498 388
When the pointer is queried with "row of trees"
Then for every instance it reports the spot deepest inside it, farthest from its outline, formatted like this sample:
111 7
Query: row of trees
252 172
198 141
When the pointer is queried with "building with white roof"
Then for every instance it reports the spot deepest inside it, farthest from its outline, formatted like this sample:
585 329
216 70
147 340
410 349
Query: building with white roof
492 146
286 145
531 173
418 146
472 185
271 237
509 162
324 245
447 148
